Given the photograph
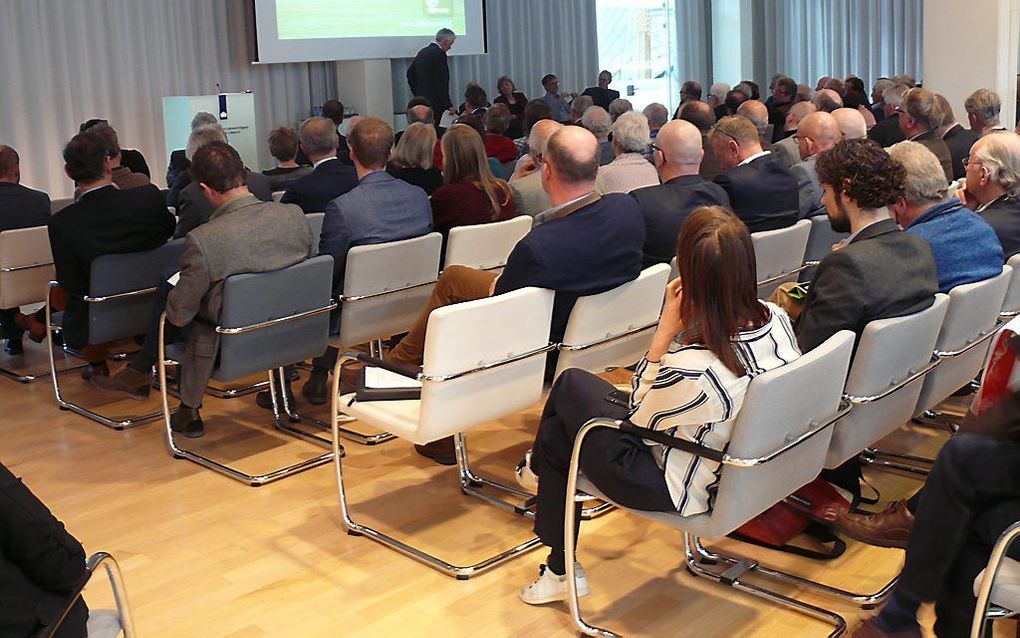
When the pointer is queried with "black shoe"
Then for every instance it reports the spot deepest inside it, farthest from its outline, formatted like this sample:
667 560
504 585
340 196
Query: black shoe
187 421
13 346
265 401
316 388
441 451
291 374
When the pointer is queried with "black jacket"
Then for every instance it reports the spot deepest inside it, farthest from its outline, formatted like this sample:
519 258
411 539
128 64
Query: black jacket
328 181
41 565
178 164
959 140
22 207
134 160
193 209
665 207
1003 215
887 132
763 193
429 77
601 97
883 272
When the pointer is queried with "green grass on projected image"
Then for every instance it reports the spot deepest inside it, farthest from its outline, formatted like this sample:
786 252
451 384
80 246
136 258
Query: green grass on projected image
303 19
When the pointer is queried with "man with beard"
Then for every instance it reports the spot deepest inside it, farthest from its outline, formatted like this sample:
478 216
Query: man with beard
879 271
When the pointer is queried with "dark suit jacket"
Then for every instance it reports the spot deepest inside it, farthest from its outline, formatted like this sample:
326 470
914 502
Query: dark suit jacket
135 161
601 97
763 193
588 251
327 182
709 163
41 565
887 132
103 222
1003 215
22 207
665 207
178 164
193 209
959 140
934 143
429 77
883 272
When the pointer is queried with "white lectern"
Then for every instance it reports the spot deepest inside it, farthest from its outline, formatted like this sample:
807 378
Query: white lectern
235 112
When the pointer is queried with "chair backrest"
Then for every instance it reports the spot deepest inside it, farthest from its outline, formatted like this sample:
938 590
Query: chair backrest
1011 304
59 204
605 330
779 252
478 334
315 223
973 314
26 265
386 286
779 406
890 351
256 298
486 246
820 242
278 195
117 313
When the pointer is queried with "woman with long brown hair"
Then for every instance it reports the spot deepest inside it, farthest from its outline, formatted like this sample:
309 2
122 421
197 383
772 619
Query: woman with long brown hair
713 337
470 194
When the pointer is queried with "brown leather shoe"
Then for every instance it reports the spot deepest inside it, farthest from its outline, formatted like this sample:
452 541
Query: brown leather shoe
888 528
867 629
36 329
95 370
441 451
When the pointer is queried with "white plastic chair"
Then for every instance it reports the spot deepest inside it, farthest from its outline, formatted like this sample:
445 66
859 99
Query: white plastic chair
102 623
779 255
485 246
278 195
997 587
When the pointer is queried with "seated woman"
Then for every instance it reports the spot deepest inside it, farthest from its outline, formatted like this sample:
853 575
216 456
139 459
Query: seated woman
508 94
470 195
692 389
476 102
412 158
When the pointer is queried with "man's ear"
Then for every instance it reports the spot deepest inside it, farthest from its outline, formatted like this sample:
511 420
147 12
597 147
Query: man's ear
207 192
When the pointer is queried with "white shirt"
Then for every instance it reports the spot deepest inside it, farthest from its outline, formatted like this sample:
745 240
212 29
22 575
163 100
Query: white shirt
323 161
754 157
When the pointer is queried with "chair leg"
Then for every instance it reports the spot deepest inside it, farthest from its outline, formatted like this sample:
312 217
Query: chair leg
28 377
918 466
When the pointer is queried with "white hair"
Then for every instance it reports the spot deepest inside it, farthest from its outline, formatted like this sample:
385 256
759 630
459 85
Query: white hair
925 181
630 132
618 107
202 136
201 119
719 90
1000 153
445 35
893 96
985 105
596 120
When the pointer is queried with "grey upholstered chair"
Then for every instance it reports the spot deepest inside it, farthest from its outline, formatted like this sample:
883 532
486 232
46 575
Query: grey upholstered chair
102 623
820 241
315 223
779 255
268 320
997 587
485 246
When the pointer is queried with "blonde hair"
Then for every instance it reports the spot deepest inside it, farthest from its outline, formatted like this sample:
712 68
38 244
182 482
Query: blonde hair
416 145
464 160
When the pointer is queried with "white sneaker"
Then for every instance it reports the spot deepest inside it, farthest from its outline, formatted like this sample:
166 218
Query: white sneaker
525 477
550 588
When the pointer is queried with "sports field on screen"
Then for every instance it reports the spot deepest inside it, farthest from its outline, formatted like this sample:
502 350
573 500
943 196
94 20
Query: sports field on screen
305 19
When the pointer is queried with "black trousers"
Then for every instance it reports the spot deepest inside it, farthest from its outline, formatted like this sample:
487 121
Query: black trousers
971 496
620 465
8 329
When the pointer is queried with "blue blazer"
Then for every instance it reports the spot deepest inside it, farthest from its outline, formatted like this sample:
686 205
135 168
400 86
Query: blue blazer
317 189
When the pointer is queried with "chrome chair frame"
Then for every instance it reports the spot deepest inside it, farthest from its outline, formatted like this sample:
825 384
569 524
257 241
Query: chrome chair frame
984 610
92 565
696 555
470 483
253 480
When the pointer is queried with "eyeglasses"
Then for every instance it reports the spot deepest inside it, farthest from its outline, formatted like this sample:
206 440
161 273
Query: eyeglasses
654 147
967 162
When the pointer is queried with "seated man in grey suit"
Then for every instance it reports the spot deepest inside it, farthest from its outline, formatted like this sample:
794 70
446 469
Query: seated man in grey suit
243 235
526 182
193 208
817 132
379 209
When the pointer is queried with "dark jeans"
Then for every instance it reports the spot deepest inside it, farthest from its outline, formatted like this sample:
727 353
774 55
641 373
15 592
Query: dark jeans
970 497
8 330
620 465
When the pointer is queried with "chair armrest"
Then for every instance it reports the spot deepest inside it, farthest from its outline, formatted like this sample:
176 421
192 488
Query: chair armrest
666 440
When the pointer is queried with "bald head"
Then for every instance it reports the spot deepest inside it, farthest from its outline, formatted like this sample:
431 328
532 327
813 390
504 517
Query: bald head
851 123
10 170
817 132
756 111
679 143
420 113
538 139
571 160
797 113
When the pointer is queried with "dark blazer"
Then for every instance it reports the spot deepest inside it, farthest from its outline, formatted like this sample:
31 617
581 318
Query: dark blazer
103 222
959 140
193 209
429 77
590 250
665 207
601 97
883 272
178 164
887 132
429 180
135 161
41 565
934 143
709 163
22 207
1003 215
327 182
763 193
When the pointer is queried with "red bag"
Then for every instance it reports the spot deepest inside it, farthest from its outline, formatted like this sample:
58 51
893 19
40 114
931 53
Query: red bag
813 508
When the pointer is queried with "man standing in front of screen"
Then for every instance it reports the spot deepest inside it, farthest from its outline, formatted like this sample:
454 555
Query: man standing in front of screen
429 74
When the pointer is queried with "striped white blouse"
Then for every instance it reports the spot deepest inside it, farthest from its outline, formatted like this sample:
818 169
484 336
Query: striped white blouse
691 395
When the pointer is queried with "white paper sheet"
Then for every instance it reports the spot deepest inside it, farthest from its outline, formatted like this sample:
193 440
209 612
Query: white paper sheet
384 379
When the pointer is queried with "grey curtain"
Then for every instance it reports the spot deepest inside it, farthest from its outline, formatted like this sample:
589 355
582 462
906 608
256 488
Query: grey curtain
69 61
694 41
527 39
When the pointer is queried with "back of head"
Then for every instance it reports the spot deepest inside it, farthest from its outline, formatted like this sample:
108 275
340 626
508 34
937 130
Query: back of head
581 104
700 114
371 140
836 85
204 135
85 157
538 139
920 105
497 119
10 170
747 88
924 181
880 87
719 91
573 157
680 143
734 99
948 118
690 90
109 136
534 111
87 124
618 107
757 112
420 113
333 110
318 137
475 95
822 128
473 122
1000 155
445 36
202 119
416 146
739 129
656 114
631 133
851 123
985 106
283 144
804 92
893 96
716 261
218 166
905 79
596 119
827 100
798 112
863 171
463 154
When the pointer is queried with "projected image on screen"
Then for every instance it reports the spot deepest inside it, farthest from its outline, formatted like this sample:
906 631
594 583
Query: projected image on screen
309 19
